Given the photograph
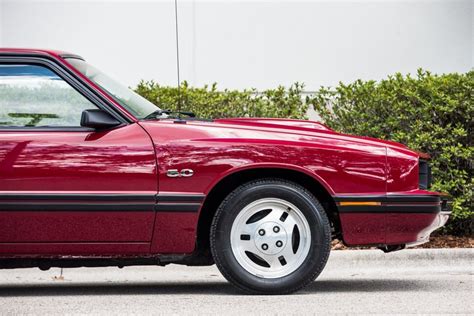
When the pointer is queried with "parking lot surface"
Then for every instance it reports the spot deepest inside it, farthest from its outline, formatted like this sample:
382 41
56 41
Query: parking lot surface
413 281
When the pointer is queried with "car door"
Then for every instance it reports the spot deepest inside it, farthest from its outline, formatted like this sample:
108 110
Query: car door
65 189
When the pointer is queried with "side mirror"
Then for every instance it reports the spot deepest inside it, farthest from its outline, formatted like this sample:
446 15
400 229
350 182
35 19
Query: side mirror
98 119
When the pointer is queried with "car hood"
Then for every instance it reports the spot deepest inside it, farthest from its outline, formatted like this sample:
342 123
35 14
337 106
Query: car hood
302 126
248 128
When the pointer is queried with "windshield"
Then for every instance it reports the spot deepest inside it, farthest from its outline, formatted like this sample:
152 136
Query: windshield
131 101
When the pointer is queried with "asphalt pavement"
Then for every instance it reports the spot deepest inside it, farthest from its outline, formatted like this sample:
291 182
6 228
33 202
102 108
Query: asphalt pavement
370 282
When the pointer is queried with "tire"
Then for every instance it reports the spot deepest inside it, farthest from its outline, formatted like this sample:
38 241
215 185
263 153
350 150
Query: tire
262 251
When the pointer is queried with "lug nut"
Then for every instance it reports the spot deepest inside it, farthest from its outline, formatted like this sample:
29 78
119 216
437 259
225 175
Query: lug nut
261 232
276 229
264 246
279 243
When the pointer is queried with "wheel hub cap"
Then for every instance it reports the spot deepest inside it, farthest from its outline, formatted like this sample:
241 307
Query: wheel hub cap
270 238
274 241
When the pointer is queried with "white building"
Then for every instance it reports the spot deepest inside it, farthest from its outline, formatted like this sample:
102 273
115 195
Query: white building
242 44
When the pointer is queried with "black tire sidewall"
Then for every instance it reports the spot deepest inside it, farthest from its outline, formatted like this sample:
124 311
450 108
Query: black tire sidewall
305 202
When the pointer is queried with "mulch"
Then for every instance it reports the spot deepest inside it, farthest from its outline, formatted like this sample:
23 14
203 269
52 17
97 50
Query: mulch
446 241
449 242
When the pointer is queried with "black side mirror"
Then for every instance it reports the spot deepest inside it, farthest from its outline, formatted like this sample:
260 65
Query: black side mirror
98 119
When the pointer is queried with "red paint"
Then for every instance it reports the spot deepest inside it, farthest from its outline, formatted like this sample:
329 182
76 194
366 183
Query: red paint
402 170
91 226
118 161
363 229
175 233
412 228
213 150
389 229
134 159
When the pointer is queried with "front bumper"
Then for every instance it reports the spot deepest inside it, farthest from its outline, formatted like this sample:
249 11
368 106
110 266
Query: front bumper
401 219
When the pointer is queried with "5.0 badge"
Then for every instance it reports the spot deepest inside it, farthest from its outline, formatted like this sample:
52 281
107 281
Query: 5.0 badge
175 173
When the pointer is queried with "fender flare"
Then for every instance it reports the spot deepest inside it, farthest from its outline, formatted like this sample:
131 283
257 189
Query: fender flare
265 165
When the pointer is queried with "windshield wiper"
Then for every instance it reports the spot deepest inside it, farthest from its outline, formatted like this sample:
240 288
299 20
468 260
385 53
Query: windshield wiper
156 113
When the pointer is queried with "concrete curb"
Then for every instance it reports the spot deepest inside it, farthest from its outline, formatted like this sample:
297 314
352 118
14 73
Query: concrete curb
408 258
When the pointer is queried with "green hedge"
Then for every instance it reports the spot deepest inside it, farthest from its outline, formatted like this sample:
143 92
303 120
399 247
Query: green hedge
428 113
208 102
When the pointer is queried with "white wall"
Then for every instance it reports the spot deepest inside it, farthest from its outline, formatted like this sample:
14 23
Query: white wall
243 44
1 24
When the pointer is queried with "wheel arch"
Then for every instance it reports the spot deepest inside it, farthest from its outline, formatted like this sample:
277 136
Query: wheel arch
218 190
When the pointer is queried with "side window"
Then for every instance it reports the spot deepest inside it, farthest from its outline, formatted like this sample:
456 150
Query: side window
34 96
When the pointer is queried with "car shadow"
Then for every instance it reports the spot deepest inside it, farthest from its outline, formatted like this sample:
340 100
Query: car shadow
365 285
200 288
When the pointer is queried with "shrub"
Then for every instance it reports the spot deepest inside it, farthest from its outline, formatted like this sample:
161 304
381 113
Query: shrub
429 113
208 102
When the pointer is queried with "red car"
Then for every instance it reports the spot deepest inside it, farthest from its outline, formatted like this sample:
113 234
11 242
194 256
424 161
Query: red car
92 174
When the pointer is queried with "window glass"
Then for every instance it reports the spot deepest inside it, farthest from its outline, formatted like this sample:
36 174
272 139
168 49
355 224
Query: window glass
130 100
34 96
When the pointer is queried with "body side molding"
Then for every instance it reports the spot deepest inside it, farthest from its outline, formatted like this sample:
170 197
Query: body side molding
84 202
393 204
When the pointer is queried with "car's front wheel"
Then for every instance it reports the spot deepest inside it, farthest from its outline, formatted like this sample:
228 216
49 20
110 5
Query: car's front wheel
270 236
